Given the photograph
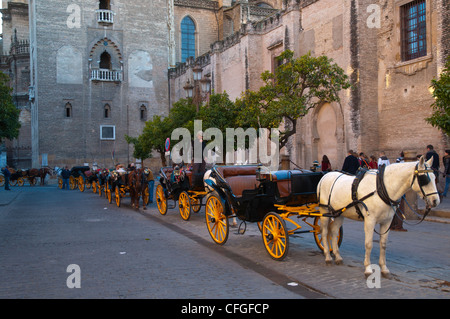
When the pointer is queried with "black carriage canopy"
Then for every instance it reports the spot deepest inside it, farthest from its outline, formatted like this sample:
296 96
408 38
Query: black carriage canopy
78 170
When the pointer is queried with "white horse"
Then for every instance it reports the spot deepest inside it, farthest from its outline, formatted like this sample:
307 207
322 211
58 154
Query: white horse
334 192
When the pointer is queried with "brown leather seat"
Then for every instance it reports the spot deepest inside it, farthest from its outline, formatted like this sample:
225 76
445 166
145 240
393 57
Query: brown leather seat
239 178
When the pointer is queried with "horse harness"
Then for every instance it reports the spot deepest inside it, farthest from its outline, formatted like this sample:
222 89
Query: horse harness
422 179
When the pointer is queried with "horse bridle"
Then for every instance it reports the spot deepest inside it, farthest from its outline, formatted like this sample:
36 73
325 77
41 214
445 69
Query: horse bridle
423 179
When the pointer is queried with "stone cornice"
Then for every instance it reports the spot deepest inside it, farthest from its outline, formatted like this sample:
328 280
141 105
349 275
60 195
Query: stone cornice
202 4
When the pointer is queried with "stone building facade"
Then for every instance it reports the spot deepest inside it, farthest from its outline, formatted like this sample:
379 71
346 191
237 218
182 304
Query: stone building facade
390 98
99 71
15 62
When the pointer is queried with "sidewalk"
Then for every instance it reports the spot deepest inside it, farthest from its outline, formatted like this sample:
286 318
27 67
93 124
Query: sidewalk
6 197
437 214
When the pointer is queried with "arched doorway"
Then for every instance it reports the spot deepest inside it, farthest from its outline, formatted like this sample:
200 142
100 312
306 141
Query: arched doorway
327 135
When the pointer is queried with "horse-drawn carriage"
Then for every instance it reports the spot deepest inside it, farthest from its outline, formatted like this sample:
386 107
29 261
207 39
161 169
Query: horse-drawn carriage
133 182
267 198
18 177
77 178
179 184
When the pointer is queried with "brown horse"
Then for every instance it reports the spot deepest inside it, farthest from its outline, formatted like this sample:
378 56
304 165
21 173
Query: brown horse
137 183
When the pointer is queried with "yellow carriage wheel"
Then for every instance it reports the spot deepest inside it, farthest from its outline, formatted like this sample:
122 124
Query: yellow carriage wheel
145 196
108 193
318 235
101 188
184 204
161 200
60 183
20 181
117 195
275 236
81 183
2 180
196 204
216 220
94 187
72 182
13 182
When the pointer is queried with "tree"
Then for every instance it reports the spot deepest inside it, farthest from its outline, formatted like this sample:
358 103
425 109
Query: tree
9 113
157 130
297 86
139 149
440 117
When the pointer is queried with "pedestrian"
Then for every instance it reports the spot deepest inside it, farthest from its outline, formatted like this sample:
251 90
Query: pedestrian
351 163
446 161
65 174
401 159
151 185
435 166
373 162
199 168
326 165
363 161
7 175
383 160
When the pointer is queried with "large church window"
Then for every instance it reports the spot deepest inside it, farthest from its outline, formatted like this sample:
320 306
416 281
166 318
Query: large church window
105 61
187 39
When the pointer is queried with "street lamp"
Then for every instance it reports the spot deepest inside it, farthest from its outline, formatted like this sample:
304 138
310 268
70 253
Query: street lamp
205 83
189 88
197 71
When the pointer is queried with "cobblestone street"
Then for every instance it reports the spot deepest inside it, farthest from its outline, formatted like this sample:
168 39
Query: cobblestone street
124 253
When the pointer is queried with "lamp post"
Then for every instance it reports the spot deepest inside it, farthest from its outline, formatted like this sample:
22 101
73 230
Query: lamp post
199 91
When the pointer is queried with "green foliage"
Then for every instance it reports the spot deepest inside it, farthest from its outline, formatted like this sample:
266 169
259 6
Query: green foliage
440 117
297 86
9 113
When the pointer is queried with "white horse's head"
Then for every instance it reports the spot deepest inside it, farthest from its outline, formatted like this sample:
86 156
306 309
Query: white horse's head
424 182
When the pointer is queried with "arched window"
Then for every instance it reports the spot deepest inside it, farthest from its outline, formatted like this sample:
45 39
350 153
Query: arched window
187 39
143 113
104 5
107 111
68 110
105 61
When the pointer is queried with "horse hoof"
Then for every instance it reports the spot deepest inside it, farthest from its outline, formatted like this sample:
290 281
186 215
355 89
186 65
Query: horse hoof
145 208
339 262
386 274
328 262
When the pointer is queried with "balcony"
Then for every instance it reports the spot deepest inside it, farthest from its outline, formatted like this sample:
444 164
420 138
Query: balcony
106 75
105 16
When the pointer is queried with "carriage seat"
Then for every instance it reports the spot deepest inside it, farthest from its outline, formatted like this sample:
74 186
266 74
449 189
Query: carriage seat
239 178
292 182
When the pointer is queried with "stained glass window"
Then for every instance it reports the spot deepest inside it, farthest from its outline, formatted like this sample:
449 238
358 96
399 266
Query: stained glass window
187 39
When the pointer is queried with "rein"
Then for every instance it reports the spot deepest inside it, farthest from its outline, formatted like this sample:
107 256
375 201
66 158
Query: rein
381 190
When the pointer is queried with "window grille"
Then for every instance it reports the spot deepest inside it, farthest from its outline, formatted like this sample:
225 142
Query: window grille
414 30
